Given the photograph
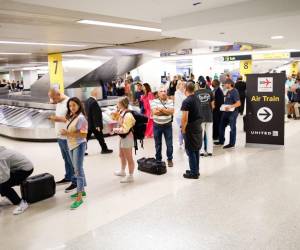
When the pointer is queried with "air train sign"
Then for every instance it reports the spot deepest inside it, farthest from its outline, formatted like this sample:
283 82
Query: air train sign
265 108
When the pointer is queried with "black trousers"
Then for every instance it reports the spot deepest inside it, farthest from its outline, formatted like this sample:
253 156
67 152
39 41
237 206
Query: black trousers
99 136
16 178
217 114
242 107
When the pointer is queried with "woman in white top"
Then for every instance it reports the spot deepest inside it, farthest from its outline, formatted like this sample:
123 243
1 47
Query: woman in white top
178 99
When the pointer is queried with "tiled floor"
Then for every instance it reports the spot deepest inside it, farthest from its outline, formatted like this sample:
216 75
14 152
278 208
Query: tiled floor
247 198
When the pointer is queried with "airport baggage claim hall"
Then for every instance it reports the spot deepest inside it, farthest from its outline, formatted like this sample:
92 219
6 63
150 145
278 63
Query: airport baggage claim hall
149 125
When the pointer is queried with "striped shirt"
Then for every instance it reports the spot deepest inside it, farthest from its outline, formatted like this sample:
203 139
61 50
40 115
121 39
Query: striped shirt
162 119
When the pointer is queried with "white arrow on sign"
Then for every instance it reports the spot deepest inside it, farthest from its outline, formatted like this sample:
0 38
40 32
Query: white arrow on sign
265 114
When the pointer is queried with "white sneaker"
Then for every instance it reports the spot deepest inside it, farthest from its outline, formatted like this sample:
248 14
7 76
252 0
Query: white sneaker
120 173
20 208
127 179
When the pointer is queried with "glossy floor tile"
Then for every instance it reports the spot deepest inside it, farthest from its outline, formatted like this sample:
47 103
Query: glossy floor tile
246 198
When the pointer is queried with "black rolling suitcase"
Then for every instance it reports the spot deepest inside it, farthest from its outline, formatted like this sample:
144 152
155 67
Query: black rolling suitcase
38 187
152 166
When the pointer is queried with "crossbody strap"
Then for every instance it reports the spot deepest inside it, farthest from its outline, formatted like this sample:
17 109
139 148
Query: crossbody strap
163 104
71 122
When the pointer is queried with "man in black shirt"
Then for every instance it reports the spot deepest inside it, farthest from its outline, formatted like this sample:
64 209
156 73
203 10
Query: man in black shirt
191 130
241 87
217 113
206 98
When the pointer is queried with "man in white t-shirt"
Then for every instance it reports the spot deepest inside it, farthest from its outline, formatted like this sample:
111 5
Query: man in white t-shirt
162 110
59 118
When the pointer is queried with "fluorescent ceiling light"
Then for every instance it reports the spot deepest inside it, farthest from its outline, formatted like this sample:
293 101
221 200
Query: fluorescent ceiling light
42 44
12 53
119 25
277 37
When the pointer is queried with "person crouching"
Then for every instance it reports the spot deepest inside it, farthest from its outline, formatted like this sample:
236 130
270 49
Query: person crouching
14 169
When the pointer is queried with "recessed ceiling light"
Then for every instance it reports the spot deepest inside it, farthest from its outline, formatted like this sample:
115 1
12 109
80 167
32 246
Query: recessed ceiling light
14 53
277 37
42 44
119 25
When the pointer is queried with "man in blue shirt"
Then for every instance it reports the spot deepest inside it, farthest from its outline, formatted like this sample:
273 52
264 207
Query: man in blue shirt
230 114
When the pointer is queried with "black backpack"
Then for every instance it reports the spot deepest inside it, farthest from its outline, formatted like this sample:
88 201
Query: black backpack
138 129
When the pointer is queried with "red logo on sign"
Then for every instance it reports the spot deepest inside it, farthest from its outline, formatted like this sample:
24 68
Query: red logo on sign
267 82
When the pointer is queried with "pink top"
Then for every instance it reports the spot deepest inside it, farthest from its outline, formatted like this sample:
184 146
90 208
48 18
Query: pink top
146 99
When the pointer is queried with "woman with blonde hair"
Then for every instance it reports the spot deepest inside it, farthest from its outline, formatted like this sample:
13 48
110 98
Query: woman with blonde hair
126 122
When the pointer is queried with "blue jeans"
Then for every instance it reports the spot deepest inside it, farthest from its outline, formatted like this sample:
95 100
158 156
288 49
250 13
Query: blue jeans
228 118
65 152
194 161
77 155
167 131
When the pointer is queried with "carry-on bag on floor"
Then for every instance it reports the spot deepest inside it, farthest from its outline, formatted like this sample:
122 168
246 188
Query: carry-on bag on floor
152 166
38 187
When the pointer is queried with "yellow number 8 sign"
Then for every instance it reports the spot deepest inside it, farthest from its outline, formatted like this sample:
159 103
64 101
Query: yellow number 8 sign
56 71
294 68
246 67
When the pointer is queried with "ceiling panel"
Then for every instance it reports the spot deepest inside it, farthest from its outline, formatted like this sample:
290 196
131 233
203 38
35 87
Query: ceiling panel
31 23
147 10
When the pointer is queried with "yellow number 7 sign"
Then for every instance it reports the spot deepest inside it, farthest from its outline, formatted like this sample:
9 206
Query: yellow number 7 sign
56 71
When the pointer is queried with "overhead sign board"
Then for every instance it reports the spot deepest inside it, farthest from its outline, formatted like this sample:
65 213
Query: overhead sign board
265 109
270 56
236 58
295 54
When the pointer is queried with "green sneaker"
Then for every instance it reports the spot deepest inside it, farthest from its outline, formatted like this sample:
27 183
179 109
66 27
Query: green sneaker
74 196
76 204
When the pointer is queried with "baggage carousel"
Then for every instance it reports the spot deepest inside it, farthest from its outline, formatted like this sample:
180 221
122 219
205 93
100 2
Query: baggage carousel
28 119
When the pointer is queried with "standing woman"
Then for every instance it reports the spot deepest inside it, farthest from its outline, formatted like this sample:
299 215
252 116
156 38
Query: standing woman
126 122
208 82
146 99
76 133
178 99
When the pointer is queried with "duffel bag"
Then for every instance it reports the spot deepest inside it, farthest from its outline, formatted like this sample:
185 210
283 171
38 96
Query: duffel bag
152 166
